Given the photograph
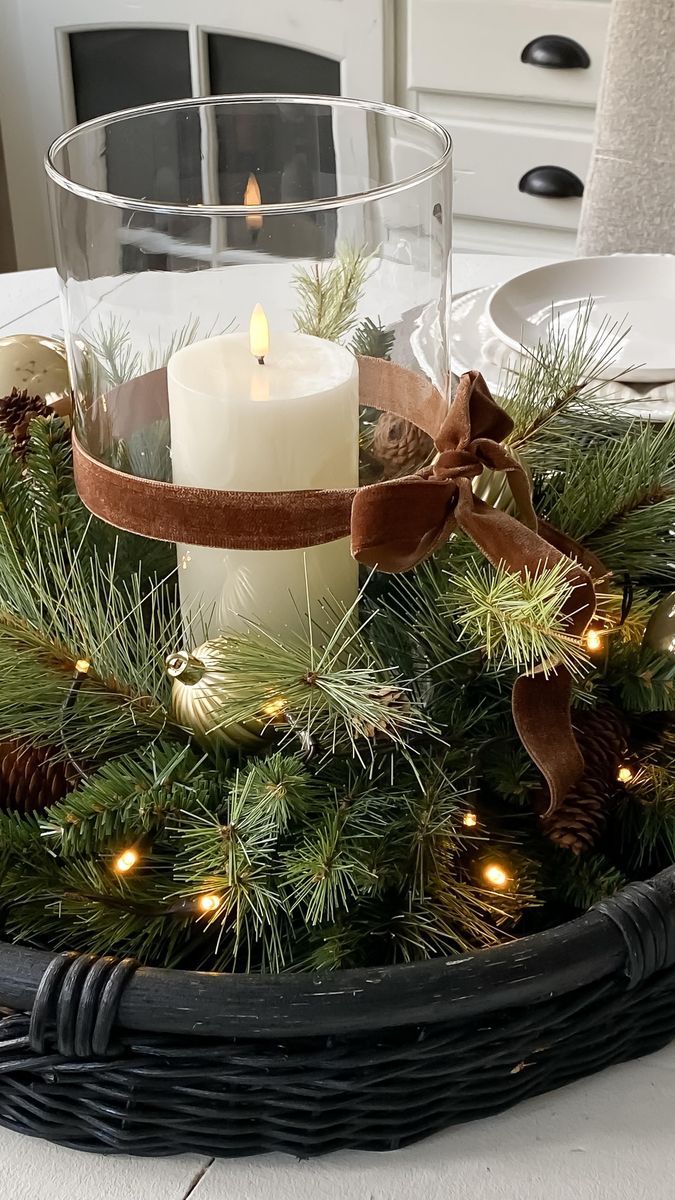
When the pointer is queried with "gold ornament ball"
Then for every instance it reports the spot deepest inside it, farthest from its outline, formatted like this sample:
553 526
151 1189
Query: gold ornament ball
493 487
660 631
201 687
36 365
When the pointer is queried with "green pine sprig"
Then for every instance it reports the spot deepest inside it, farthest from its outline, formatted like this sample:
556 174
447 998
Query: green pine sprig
328 296
373 339
519 621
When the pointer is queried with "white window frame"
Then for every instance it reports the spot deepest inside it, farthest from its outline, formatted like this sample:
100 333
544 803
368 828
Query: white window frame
36 94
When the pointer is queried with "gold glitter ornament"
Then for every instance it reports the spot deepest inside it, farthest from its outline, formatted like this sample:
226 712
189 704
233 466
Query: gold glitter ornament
200 690
37 365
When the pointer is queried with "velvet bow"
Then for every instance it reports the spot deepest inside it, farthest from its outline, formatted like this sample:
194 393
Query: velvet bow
397 524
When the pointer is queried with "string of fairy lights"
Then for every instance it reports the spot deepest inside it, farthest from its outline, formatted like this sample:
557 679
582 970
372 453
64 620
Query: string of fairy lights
495 875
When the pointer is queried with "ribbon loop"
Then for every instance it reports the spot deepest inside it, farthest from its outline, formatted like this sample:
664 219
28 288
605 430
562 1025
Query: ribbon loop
388 518
397 524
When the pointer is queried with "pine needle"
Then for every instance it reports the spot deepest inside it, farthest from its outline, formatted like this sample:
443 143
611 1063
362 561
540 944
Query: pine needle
518 621
558 379
599 486
335 696
328 296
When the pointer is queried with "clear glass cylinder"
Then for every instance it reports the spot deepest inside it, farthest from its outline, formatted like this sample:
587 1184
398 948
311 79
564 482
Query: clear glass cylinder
247 248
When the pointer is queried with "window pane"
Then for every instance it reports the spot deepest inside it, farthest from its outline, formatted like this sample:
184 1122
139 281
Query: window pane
119 68
248 65
297 160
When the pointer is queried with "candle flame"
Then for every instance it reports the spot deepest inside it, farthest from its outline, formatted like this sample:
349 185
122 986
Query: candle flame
253 196
259 333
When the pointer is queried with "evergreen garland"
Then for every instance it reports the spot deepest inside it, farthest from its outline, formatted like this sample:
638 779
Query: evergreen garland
390 812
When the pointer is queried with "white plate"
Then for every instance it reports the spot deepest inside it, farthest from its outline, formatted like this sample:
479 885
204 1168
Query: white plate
636 290
475 346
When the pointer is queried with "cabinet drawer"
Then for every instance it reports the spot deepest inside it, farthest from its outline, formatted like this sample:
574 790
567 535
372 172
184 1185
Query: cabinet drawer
472 236
490 162
475 46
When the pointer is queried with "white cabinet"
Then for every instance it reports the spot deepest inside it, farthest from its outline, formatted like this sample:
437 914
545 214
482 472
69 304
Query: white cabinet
522 127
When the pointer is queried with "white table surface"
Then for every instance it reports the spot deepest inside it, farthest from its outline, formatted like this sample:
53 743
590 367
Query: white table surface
611 1137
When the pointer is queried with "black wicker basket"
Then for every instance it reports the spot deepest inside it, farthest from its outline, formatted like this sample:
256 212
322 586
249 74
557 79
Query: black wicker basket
156 1062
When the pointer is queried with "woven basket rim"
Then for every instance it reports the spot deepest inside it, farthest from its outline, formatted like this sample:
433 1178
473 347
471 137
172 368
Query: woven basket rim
543 965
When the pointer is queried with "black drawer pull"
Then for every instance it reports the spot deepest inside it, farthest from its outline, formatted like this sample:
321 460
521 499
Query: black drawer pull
554 182
556 52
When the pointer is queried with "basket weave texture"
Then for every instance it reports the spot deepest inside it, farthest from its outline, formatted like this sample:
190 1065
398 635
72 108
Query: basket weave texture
111 1059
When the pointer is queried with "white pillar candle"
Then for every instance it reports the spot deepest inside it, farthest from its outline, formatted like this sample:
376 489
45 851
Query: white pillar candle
285 424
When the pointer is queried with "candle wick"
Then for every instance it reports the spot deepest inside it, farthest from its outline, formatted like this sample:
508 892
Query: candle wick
261 360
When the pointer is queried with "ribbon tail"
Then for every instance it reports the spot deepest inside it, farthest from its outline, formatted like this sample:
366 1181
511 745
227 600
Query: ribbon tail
541 703
574 550
542 716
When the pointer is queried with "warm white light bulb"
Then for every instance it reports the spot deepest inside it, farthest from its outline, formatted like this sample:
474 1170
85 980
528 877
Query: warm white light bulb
126 861
470 820
209 902
495 875
593 641
625 773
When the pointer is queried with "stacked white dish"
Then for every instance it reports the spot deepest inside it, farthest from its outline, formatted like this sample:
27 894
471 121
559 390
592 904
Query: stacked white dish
493 327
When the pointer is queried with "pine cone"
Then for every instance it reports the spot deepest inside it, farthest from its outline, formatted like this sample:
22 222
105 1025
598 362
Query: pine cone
391 698
578 824
399 446
16 413
32 777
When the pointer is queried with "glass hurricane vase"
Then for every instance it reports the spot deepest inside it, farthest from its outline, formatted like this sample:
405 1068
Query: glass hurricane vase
222 264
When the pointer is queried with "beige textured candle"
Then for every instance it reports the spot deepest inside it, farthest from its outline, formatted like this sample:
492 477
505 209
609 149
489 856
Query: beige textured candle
284 424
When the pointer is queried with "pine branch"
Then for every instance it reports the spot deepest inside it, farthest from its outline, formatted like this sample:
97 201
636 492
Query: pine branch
82 904
373 339
66 604
556 381
639 541
279 791
126 800
600 485
509 772
328 296
338 696
582 881
147 453
48 479
325 872
647 816
419 602
222 851
621 626
518 621
14 511
643 680
34 685
110 356
432 819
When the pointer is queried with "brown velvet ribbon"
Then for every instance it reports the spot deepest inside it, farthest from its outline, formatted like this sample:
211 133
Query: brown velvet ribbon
399 523
394 525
